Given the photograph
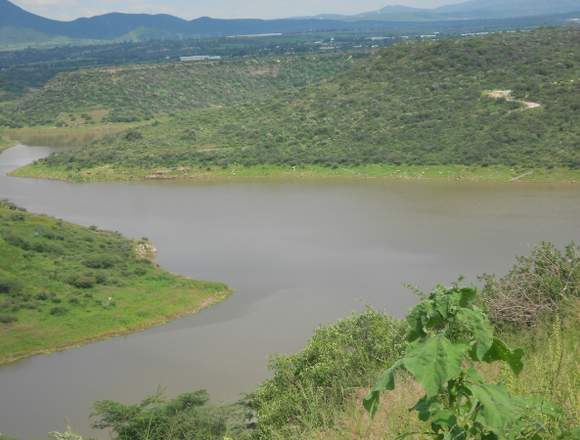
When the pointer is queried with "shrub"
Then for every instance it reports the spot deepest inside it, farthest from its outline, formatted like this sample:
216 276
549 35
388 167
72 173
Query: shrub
10 286
17 217
82 281
7 319
449 336
307 388
102 261
534 287
58 311
133 135
186 417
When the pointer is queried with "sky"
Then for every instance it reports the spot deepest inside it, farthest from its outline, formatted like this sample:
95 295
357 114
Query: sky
70 9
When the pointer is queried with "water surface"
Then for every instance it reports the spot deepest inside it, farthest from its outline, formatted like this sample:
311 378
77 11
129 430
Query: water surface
298 254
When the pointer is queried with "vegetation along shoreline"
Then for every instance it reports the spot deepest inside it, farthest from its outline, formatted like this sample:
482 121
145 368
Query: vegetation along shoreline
63 285
426 173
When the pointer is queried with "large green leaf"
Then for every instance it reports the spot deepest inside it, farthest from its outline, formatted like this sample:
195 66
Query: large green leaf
499 351
498 409
480 328
385 383
433 362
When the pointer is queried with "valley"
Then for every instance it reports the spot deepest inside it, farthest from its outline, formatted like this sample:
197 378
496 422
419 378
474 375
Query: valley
387 202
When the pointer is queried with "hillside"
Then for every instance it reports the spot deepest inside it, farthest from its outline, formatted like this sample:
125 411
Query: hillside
62 284
129 93
508 99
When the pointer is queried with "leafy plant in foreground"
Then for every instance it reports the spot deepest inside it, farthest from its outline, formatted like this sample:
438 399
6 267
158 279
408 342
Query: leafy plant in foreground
448 334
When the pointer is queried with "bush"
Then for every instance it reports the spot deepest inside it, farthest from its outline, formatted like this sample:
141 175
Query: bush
82 281
58 311
534 287
102 261
42 296
7 319
133 135
10 286
186 417
307 388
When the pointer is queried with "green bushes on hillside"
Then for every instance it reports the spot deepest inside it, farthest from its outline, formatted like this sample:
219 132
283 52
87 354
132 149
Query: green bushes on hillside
535 287
508 99
309 388
186 417
140 92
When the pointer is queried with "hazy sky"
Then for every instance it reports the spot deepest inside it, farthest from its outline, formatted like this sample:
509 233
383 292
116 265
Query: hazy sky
68 9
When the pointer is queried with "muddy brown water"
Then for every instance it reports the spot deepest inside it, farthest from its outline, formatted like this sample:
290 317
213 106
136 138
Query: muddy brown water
298 254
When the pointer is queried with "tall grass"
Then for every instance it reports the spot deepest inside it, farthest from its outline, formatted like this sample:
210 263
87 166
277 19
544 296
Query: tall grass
311 388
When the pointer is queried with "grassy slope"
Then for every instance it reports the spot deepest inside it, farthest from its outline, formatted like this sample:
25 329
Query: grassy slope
138 92
550 373
51 299
413 104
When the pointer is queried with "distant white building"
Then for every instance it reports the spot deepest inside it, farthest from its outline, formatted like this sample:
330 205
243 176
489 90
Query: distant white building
200 58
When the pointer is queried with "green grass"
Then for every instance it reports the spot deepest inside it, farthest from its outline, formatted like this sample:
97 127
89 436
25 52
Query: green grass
456 173
62 285
80 134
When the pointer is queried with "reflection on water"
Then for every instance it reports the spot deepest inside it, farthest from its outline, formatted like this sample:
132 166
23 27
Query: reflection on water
298 254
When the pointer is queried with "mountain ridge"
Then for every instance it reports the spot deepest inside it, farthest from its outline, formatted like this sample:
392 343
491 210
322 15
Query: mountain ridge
116 26
471 9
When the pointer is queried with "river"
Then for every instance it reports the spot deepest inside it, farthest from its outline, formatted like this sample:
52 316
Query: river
297 253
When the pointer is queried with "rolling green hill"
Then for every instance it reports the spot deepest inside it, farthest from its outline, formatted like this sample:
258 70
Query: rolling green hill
509 99
137 92
62 284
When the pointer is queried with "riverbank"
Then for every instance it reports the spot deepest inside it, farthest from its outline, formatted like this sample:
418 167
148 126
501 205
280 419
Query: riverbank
4 143
405 172
63 285
60 136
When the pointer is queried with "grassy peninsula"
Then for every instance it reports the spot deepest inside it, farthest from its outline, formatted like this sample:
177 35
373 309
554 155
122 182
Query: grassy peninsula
62 285
502 101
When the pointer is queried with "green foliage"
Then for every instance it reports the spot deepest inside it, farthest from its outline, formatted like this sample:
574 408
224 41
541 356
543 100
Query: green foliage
535 287
140 92
62 284
421 103
552 376
186 417
309 388
448 336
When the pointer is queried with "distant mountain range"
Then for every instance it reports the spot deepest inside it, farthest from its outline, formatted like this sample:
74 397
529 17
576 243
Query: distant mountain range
19 28
468 10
